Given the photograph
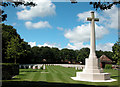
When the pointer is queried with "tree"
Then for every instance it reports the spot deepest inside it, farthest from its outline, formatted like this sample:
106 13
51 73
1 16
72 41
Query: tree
14 49
12 43
26 55
109 54
67 54
82 54
8 32
99 53
56 54
47 54
101 5
116 52
104 5
36 54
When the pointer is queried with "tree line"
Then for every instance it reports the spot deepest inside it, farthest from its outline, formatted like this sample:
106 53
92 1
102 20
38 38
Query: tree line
16 50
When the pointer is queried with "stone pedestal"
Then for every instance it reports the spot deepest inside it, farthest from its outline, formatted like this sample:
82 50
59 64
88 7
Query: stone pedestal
92 73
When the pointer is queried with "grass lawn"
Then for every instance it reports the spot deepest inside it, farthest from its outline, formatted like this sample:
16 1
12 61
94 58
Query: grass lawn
54 76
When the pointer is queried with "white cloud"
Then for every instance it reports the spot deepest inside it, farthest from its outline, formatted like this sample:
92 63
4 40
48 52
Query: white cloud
32 44
21 7
83 16
77 46
107 18
82 33
112 17
105 47
60 28
38 25
42 9
50 45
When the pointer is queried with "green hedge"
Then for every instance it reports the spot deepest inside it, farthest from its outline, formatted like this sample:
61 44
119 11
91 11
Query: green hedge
108 66
9 70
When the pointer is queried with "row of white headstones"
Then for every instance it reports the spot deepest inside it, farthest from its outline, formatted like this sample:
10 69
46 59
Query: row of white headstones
39 66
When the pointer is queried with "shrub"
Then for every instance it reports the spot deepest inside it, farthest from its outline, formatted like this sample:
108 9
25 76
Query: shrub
108 66
9 70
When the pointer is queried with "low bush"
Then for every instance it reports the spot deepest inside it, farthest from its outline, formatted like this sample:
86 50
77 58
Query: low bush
9 70
108 66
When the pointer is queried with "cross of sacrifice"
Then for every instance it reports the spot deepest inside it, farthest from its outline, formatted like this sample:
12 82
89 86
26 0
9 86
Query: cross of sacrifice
92 38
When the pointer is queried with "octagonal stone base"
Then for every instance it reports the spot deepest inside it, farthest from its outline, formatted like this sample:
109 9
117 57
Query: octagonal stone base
93 77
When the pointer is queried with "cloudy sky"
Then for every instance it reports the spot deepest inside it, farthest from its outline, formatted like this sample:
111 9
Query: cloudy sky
63 25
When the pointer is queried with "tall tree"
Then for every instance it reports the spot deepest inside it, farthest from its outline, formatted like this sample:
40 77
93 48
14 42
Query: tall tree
26 55
83 53
8 32
67 54
47 54
99 53
56 54
116 52
12 43
14 49
36 54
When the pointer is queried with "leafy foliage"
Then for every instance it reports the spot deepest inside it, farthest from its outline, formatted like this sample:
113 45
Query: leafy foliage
13 47
83 53
101 5
116 52
9 70
108 66
67 54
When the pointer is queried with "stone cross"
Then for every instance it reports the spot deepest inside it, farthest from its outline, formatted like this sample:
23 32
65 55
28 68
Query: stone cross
91 72
92 38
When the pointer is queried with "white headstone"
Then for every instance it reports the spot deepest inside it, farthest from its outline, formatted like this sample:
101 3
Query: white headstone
20 66
39 66
34 67
43 66
76 68
29 66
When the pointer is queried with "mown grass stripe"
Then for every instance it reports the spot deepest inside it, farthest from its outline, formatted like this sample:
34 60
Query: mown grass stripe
63 76
36 76
54 75
63 69
52 69
42 76
49 77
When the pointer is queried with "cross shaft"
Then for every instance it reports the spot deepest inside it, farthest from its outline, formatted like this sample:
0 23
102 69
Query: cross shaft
92 38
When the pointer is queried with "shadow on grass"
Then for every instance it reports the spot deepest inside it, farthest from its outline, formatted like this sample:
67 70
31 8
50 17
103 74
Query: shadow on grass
21 74
15 78
114 76
43 84
30 71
